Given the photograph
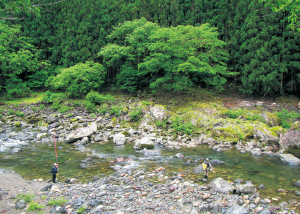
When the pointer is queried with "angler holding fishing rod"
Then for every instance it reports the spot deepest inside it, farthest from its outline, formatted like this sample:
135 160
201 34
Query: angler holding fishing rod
54 170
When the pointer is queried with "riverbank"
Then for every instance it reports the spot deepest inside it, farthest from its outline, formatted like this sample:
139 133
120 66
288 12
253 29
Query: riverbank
141 192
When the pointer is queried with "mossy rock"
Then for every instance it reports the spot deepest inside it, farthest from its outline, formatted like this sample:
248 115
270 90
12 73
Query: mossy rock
147 146
271 119
278 130
294 150
73 120
18 124
34 120
296 126
127 134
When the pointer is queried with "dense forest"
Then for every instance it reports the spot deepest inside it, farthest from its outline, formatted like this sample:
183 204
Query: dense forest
153 45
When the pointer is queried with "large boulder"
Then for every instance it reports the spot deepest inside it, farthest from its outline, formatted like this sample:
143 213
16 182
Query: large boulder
198 169
119 139
144 142
271 119
263 134
236 209
289 159
158 112
246 188
78 134
291 137
220 185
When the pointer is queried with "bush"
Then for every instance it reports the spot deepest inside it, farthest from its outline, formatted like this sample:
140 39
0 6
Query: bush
26 197
180 126
136 114
81 210
20 114
80 79
96 98
33 108
116 110
287 117
63 109
103 109
50 97
33 206
93 98
59 201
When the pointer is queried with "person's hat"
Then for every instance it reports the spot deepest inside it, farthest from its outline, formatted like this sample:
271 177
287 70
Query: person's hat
207 159
55 164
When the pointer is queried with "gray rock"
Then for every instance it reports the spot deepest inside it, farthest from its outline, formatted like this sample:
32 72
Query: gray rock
236 209
98 138
143 142
84 140
220 185
47 188
289 159
15 150
246 188
158 112
297 193
198 169
21 204
119 139
78 134
256 151
291 137
264 135
297 183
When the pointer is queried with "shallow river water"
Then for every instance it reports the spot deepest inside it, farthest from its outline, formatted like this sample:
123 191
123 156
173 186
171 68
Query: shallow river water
34 161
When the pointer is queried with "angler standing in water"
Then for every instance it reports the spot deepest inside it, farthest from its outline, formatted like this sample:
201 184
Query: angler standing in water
206 166
54 170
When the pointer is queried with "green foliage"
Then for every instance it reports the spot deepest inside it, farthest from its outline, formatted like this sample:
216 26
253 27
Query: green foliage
50 97
80 79
93 115
11 112
179 125
19 62
115 110
64 108
26 197
136 114
103 109
20 114
34 206
235 113
33 108
81 210
292 7
58 201
70 115
287 117
93 98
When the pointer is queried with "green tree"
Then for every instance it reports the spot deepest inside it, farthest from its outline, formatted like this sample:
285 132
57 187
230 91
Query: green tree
183 55
290 6
19 62
80 79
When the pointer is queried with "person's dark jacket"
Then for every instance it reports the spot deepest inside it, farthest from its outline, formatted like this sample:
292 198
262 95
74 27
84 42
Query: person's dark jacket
54 170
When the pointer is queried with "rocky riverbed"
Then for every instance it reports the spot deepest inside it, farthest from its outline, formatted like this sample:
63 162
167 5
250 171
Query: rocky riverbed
141 192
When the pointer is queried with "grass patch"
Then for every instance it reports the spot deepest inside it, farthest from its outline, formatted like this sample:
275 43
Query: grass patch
34 98
26 197
34 206
58 201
